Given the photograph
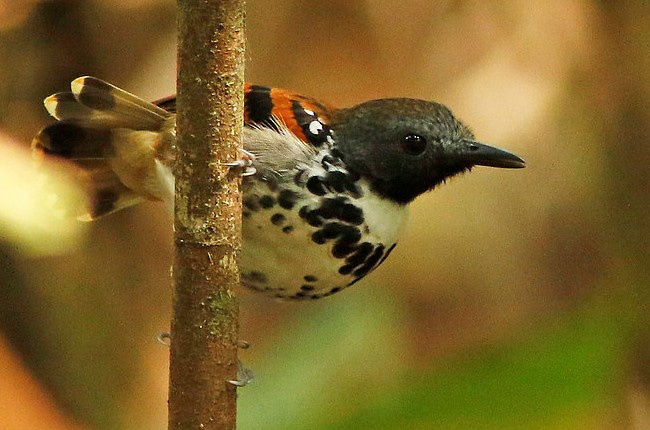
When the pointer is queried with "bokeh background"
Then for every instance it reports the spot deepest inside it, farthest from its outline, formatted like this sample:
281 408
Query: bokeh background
518 299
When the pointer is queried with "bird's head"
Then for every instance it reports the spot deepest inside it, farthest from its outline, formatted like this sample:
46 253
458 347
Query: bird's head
405 147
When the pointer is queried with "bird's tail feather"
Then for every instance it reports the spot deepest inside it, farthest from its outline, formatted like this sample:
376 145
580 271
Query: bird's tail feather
111 136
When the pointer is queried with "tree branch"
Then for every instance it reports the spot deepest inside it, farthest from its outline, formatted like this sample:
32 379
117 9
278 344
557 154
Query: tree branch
207 215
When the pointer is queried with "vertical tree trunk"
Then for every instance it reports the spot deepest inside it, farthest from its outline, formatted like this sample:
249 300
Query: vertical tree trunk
207 215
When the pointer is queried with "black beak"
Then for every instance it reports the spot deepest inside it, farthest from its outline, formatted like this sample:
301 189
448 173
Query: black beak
480 154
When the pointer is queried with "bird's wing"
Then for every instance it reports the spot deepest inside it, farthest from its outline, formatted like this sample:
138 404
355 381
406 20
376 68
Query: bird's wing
283 130
268 107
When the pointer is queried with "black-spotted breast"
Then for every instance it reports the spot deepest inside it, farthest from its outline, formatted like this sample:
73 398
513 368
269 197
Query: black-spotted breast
329 197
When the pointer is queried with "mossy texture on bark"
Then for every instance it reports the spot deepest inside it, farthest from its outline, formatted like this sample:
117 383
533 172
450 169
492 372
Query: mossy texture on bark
207 215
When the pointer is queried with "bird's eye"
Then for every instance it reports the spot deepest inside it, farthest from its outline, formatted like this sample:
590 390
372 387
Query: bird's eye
414 144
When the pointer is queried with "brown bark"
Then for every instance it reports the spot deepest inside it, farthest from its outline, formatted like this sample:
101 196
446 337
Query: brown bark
207 216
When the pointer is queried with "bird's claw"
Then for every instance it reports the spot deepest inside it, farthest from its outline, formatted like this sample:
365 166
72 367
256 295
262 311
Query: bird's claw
245 164
244 375
164 338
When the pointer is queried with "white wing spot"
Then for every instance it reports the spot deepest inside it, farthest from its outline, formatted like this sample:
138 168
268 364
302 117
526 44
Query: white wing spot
309 112
330 140
315 127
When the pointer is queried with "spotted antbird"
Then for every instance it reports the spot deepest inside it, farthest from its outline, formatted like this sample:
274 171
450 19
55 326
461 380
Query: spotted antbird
325 191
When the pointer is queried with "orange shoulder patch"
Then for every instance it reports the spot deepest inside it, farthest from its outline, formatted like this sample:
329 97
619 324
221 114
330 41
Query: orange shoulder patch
305 117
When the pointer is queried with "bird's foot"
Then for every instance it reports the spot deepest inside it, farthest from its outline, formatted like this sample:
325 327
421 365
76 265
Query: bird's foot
244 374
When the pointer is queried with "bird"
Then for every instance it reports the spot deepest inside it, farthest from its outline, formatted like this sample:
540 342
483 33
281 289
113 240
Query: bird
326 190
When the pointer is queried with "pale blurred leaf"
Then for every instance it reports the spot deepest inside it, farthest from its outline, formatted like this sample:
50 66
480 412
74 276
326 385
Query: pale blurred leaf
35 203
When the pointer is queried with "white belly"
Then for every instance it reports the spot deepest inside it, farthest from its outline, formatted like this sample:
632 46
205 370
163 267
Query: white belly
280 256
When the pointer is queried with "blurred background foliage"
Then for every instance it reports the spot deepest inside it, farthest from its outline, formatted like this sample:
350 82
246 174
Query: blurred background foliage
518 299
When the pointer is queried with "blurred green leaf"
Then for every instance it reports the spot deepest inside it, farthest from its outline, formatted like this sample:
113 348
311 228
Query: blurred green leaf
557 375
336 349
